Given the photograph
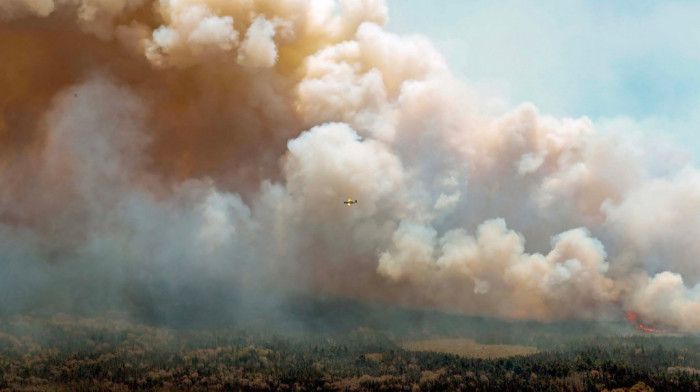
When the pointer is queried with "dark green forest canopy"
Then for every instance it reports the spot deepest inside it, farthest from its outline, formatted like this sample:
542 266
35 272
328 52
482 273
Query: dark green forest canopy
73 353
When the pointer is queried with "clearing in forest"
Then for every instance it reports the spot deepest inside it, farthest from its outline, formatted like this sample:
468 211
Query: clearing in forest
469 348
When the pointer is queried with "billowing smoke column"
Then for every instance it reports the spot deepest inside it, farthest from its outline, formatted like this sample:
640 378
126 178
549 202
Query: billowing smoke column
194 155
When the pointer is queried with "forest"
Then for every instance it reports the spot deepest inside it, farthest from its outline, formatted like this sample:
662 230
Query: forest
62 353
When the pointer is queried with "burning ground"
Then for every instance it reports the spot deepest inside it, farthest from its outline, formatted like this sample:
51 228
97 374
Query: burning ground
187 159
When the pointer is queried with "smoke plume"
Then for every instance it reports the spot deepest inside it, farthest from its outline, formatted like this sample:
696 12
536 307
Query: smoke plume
189 157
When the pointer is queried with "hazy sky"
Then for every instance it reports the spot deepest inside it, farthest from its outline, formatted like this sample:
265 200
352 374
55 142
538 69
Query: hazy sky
633 64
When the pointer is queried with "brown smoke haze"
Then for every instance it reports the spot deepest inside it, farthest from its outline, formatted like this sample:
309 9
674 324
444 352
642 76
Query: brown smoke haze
169 155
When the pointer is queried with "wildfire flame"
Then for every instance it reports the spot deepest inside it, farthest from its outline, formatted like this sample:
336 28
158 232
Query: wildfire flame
633 318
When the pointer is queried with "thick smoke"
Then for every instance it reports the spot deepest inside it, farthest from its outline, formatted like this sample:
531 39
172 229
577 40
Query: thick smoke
190 157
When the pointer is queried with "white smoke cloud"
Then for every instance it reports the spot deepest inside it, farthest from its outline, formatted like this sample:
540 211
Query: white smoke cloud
12 9
258 50
656 227
665 299
197 154
468 272
195 32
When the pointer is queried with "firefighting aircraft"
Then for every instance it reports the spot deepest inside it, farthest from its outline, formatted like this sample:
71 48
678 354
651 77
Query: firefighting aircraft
349 202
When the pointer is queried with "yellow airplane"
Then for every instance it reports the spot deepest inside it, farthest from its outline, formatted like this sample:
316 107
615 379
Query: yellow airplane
349 202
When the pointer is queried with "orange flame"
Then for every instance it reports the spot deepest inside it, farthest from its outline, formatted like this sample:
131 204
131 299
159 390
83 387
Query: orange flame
633 318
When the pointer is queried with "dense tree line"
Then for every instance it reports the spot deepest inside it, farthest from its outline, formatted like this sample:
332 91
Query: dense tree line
89 356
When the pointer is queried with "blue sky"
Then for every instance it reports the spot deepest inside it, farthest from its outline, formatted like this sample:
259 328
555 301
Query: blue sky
630 64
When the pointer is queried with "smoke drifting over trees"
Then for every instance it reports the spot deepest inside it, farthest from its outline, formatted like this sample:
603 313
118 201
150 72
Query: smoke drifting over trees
190 157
